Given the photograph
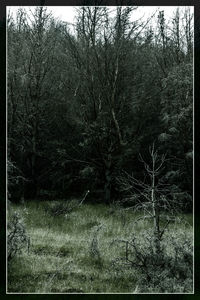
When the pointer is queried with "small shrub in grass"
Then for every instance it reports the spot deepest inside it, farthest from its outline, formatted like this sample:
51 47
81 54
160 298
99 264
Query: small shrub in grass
17 237
94 246
170 271
59 208
64 208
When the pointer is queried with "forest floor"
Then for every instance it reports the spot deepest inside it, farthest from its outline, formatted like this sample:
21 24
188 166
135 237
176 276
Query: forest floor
75 252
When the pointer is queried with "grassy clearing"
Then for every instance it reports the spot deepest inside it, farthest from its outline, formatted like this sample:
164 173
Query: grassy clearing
74 253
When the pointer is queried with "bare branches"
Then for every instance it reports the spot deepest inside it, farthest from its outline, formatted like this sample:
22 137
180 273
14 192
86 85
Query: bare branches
151 197
157 161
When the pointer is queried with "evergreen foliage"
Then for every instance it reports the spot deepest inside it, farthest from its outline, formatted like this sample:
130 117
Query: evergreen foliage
83 103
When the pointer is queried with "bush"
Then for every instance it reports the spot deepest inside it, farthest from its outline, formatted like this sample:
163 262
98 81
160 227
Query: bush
94 246
58 208
170 271
64 208
17 236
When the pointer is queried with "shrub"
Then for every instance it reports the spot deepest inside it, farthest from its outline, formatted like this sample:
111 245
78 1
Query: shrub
64 208
94 246
17 236
170 271
59 208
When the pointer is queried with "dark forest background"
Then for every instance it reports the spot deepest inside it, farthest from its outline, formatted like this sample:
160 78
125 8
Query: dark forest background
85 100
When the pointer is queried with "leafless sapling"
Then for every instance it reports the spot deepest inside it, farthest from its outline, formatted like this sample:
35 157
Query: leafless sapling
151 196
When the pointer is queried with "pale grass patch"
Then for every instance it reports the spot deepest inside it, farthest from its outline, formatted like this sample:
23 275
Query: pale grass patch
60 258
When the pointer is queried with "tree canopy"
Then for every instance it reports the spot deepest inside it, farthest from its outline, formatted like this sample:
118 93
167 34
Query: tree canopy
83 103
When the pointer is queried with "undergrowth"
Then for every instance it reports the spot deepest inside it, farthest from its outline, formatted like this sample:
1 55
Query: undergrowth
80 252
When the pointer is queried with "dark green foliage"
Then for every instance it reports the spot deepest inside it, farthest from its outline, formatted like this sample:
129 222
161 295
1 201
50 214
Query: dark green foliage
82 106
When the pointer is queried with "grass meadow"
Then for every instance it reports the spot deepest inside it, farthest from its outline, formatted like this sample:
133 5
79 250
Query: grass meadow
77 252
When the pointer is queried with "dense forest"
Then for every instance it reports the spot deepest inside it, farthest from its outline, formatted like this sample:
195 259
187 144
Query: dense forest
84 101
100 111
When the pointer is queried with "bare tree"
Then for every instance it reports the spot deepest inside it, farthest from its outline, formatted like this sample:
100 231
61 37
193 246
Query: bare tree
28 82
151 196
188 29
99 57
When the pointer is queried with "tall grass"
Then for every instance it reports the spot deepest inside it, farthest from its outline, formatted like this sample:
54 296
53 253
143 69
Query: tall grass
74 253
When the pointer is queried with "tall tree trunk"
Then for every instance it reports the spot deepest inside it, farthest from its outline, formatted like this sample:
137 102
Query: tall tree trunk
113 105
107 186
33 159
155 209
